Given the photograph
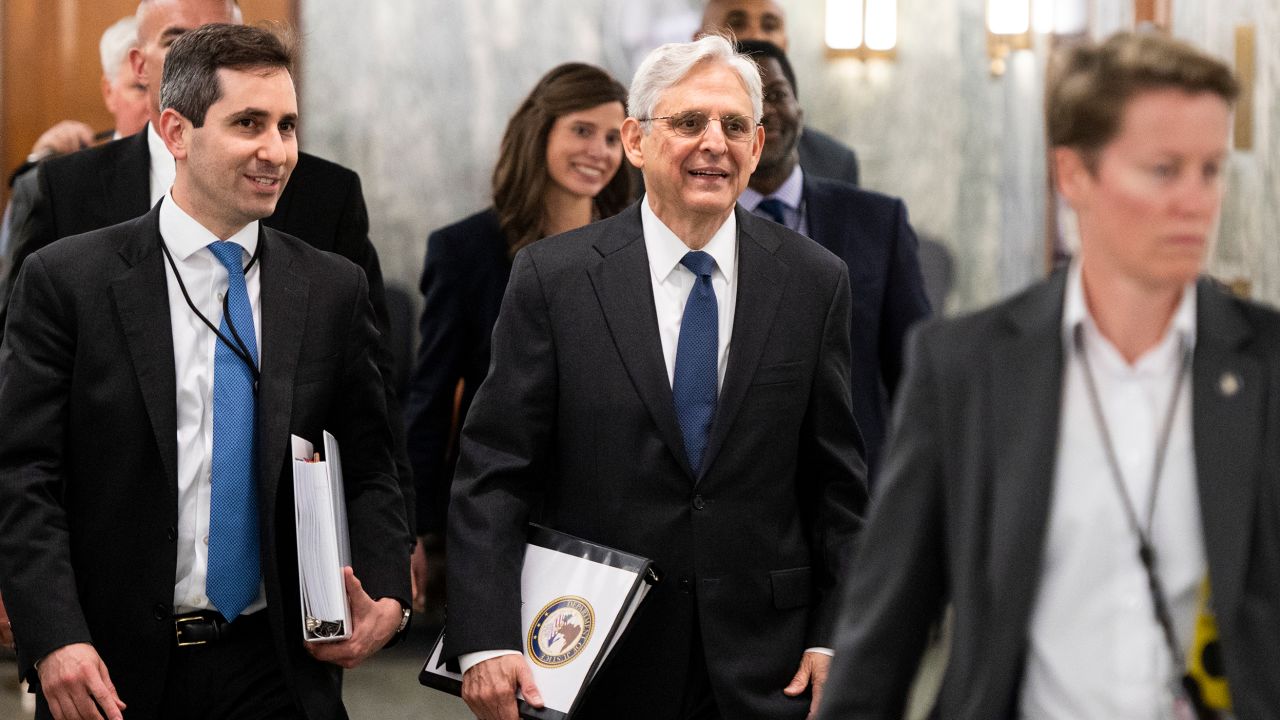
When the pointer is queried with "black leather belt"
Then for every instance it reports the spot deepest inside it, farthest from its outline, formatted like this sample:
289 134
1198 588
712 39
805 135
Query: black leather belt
202 628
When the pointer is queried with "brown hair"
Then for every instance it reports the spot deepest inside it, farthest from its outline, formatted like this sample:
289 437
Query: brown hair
1089 89
520 177
190 82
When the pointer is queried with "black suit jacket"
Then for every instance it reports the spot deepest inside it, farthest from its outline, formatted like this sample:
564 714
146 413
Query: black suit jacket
575 426
871 234
463 279
824 156
322 204
964 502
88 458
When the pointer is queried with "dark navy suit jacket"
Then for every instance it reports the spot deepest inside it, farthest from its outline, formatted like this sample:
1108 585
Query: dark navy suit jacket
870 232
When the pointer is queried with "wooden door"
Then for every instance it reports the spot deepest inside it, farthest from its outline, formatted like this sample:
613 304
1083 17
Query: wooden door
50 67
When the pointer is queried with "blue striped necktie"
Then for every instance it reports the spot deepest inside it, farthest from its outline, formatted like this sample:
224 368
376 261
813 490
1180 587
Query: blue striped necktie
234 572
694 388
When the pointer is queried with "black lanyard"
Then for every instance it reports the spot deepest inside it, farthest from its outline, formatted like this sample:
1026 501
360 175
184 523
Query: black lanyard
234 343
1146 552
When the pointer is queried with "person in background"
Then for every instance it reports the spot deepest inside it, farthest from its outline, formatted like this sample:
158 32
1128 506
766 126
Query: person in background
126 100
867 230
124 97
1088 472
557 170
820 154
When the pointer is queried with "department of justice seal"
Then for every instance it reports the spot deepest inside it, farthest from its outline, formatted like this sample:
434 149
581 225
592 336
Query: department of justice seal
561 631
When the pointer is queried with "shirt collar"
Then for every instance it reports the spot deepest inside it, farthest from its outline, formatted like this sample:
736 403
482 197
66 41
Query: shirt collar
185 236
156 146
790 192
1075 311
665 248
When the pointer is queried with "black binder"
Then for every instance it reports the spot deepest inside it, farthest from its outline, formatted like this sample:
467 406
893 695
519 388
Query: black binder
556 622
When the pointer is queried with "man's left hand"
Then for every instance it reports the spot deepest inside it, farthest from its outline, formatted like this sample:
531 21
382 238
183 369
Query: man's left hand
6 630
373 622
813 671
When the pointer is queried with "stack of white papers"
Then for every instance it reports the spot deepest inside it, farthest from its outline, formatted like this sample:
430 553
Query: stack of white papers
324 546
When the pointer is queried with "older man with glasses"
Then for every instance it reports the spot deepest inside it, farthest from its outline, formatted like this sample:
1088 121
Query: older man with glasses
672 382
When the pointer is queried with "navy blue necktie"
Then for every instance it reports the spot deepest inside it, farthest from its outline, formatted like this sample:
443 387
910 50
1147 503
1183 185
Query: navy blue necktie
234 572
773 207
695 387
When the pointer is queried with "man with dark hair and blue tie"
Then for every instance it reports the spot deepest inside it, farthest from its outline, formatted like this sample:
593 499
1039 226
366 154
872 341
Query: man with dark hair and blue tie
150 377
672 382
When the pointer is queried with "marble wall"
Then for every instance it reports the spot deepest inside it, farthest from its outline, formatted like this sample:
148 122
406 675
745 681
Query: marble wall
414 94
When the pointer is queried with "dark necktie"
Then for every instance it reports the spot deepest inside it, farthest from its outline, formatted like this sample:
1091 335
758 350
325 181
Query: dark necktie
773 207
695 385
234 572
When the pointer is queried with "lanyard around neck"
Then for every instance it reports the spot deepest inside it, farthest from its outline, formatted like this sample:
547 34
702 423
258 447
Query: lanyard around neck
234 343
1146 551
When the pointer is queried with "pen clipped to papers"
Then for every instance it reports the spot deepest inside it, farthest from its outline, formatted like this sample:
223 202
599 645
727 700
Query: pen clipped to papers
324 547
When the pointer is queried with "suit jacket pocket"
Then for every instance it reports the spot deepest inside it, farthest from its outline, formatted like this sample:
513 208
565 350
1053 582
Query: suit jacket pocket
792 588
779 374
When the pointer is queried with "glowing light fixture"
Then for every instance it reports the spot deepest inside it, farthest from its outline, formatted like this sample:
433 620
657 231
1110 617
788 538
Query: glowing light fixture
862 28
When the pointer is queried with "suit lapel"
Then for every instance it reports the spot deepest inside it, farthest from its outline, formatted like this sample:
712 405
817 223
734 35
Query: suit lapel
141 299
821 223
1227 407
1025 383
126 183
621 282
761 279
284 302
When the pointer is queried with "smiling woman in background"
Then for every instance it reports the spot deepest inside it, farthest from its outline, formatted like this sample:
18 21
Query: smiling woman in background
557 170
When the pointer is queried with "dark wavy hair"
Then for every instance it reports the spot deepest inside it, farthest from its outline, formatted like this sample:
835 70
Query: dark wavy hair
520 177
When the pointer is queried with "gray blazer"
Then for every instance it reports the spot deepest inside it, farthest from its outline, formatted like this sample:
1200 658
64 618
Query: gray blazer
963 504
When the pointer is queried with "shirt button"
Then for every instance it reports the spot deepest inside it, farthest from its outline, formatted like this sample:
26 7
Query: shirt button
699 503
221 296
206 539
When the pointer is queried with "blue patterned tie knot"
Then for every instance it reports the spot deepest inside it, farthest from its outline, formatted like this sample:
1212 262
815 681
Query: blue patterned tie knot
234 572
695 388
773 207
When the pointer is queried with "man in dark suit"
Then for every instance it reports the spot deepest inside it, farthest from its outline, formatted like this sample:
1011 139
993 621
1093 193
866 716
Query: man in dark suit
322 205
820 154
867 230
672 382
1087 472
147 542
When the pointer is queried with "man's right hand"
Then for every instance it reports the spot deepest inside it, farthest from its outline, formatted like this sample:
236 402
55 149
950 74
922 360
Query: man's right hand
489 688
67 136
73 678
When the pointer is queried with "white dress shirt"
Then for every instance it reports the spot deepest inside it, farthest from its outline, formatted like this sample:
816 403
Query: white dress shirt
672 283
164 169
193 346
791 193
1095 647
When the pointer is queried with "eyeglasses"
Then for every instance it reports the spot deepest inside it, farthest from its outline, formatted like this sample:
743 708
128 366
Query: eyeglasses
693 123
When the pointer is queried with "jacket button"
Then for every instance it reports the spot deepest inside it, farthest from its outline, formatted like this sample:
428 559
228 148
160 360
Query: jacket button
172 533
161 611
699 503
685 585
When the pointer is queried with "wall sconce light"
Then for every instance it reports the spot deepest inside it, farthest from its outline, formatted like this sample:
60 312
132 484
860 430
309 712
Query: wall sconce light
862 28
1011 23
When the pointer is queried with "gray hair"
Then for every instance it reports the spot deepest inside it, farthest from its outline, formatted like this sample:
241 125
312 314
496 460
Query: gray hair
237 17
668 64
115 44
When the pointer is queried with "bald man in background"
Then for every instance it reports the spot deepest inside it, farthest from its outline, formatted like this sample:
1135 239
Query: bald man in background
820 154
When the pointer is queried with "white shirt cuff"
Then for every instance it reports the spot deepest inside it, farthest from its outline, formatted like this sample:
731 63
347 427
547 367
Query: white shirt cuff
466 661
820 650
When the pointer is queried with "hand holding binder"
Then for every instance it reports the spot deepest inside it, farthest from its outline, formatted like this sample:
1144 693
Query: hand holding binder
489 687
373 623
